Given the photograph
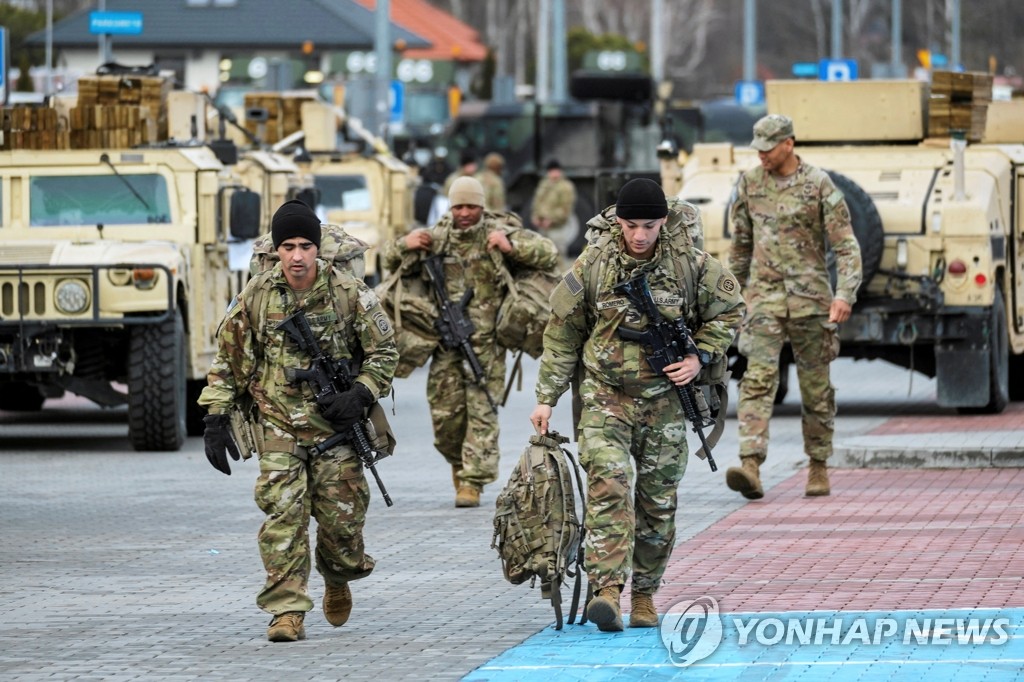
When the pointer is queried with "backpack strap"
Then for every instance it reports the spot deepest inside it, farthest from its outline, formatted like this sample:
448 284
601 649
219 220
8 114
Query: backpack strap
580 552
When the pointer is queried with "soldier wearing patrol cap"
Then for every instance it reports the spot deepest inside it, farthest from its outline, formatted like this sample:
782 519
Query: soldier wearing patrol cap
785 213
553 209
632 421
252 364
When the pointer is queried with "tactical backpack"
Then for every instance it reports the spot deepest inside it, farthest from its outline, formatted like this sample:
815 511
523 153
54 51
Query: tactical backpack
525 311
407 298
537 531
337 246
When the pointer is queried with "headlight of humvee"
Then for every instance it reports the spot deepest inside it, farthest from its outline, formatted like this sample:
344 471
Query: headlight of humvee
71 296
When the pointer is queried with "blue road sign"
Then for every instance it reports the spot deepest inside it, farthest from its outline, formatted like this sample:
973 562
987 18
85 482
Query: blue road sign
3 64
749 93
837 70
805 69
116 23
397 101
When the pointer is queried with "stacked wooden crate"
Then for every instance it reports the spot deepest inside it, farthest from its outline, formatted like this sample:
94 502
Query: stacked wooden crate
283 114
32 127
959 103
119 111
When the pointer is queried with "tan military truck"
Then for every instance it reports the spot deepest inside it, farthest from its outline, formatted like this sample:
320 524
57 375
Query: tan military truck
940 223
359 184
115 266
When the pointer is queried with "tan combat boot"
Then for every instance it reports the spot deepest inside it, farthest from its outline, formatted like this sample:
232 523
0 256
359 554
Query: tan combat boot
746 478
467 496
287 627
337 604
817 479
604 609
643 614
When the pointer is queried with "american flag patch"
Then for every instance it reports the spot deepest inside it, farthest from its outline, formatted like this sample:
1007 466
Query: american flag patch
572 283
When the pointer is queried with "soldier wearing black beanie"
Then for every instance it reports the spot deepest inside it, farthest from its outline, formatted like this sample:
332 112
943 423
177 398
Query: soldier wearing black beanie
641 199
295 219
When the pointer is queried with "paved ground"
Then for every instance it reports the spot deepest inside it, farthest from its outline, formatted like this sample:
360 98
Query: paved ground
118 565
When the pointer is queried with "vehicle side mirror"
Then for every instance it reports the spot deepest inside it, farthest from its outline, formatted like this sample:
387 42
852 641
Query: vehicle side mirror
244 214
310 196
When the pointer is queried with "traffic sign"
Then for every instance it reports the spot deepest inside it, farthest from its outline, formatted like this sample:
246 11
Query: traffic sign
115 23
3 65
397 101
749 93
837 70
805 69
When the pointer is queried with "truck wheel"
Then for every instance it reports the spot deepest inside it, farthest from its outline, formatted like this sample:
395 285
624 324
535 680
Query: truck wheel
998 362
156 385
867 227
19 396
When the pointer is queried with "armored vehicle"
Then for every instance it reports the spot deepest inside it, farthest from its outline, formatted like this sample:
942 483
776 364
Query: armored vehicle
939 221
115 264
359 185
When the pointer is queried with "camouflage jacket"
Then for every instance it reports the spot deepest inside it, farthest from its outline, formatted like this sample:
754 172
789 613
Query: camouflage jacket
554 200
494 190
778 245
587 313
468 263
254 360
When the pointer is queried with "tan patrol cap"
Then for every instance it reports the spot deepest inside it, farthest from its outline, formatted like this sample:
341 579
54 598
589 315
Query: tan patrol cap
466 191
770 131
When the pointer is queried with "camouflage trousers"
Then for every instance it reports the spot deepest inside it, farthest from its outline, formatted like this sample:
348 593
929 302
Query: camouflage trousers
627 440
330 488
815 344
465 425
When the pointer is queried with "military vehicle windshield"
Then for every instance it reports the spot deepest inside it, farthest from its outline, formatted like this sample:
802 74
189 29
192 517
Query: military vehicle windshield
344 192
99 200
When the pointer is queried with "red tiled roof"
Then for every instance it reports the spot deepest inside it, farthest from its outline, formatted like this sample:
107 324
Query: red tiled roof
449 37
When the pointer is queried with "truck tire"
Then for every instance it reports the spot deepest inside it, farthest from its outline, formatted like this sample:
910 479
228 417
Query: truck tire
998 362
156 385
19 396
867 227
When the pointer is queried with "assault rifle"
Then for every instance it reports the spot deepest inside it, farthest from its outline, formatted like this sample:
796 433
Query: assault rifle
454 324
326 378
665 343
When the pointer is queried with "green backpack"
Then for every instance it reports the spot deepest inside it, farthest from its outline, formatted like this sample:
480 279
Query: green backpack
537 531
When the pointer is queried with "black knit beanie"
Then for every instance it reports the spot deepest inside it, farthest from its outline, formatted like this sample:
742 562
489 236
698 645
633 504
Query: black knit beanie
641 199
295 219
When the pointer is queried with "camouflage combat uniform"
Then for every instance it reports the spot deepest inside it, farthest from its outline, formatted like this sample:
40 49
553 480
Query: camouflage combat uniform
632 417
292 485
494 190
465 426
555 200
778 255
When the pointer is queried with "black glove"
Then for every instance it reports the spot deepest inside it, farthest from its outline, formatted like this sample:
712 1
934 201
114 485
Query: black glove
345 409
218 441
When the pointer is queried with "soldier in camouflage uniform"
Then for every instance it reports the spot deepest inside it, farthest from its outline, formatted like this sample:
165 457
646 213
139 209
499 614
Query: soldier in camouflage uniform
494 186
465 425
252 364
467 169
552 211
784 214
632 420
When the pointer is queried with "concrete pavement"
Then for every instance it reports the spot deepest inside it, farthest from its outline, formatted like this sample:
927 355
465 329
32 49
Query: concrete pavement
119 565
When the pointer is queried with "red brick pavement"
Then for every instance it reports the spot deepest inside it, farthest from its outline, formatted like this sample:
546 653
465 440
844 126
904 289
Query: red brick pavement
884 540
1011 419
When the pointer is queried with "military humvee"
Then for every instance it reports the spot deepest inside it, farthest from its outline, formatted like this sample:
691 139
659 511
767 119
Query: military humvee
115 257
359 184
939 220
